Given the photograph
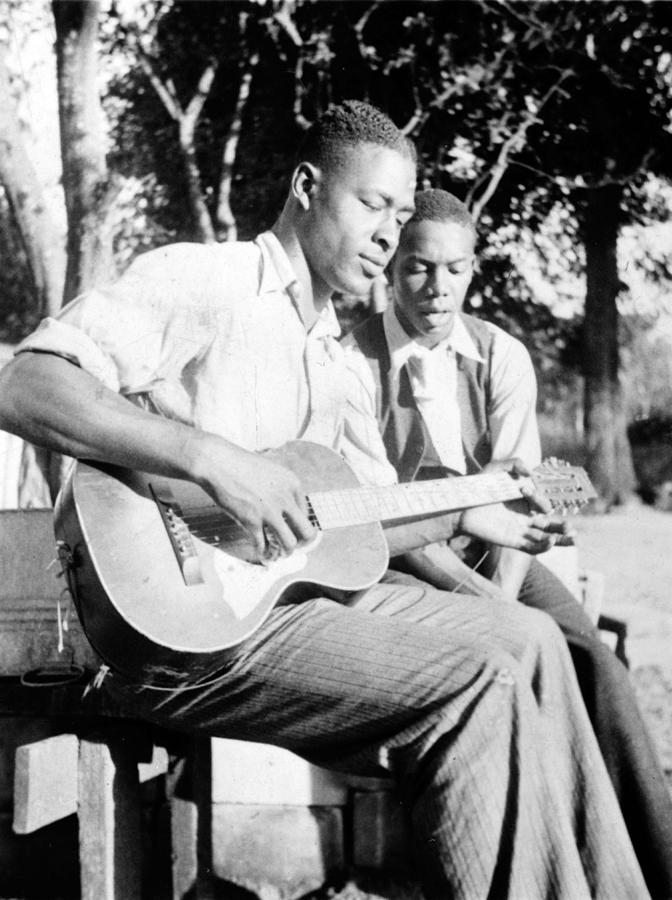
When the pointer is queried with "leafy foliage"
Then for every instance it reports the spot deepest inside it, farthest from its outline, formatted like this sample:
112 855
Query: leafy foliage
520 108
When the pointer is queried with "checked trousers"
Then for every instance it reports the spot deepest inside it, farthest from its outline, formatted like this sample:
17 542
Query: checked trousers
476 714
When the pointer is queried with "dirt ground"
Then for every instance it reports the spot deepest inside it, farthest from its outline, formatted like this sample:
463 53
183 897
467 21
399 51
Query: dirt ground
633 549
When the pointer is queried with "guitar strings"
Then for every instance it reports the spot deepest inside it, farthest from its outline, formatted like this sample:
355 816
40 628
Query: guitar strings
202 521
203 527
220 534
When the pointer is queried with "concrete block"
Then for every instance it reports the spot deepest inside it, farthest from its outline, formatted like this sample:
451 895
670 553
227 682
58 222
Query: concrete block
278 852
45 782
381 837
15 731
245 772
156 766
564 563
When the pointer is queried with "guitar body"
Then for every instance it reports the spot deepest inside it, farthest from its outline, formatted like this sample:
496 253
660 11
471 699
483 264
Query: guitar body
166 615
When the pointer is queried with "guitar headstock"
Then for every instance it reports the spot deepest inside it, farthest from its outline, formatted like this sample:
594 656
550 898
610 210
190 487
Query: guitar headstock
566 487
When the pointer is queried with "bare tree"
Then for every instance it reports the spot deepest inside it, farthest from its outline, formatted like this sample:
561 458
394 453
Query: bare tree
39 234
186 118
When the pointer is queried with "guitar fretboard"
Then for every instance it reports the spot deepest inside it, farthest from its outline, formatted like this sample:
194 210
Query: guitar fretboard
359 505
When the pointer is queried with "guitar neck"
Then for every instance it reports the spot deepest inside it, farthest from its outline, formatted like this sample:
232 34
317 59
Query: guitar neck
416 499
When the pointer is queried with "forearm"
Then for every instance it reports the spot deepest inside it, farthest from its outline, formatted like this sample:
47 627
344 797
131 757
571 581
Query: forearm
507 569
438 565
52 403
510 525
413 535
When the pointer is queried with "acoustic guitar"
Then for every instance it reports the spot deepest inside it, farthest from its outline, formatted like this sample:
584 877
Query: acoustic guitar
167 585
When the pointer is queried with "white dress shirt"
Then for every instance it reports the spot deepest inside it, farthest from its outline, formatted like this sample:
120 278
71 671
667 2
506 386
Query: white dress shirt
211 336
511 414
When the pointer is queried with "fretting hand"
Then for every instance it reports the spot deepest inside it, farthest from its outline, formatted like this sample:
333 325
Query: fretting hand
512 525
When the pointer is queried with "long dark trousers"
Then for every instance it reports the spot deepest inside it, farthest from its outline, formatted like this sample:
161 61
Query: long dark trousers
621 733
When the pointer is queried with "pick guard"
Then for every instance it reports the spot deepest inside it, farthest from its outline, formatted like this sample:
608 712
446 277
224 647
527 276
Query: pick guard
242 583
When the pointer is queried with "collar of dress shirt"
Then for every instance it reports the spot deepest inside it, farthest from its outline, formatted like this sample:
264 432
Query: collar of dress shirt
277 274
402 346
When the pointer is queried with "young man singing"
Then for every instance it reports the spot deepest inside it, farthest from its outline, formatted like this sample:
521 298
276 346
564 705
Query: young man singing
452 395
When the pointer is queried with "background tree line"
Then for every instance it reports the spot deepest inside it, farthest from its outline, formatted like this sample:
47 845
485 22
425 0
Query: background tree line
178 121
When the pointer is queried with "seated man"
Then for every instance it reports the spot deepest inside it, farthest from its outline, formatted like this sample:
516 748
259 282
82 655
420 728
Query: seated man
228 351
454 394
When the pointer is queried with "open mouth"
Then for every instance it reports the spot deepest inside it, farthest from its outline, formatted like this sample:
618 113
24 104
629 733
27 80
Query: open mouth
436 318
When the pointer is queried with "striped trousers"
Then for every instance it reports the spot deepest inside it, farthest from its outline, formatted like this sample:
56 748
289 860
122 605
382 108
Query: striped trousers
475 712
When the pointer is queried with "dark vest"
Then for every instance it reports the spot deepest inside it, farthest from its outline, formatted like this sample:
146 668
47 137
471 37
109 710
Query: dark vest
403 429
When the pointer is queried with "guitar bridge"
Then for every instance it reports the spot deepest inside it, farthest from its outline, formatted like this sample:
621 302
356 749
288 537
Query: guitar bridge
178 533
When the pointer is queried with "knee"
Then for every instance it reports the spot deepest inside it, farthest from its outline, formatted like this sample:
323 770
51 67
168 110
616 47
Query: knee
539 626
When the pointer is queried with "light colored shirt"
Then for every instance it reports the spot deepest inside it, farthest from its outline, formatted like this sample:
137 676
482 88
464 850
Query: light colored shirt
433 377
511 412
211 336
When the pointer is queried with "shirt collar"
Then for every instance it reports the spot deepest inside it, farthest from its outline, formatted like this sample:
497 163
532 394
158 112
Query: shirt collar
402 346
277 274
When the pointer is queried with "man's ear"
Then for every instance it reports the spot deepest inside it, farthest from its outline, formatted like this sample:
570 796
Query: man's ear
306 176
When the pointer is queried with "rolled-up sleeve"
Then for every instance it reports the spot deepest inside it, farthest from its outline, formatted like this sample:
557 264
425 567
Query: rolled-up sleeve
512 415
57 336
140 330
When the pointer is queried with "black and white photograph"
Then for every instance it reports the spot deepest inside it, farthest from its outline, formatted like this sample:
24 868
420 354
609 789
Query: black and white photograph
335 450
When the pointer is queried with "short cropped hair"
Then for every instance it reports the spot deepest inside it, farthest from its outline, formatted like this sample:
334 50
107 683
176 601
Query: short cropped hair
348 125
439 206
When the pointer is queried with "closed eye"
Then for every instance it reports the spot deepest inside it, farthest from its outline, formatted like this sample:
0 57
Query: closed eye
372 206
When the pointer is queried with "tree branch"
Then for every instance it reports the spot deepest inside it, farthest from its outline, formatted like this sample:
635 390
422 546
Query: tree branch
360 25
165 91
284 18
194 107
420 115
299 93
512 144
187 120
226 223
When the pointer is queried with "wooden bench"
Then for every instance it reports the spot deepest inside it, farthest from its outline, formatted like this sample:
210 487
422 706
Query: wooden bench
88 760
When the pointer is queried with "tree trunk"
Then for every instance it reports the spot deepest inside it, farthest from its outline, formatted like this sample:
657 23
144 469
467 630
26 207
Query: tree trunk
609 459
88 195
88 192
204 227
226 221
41 238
